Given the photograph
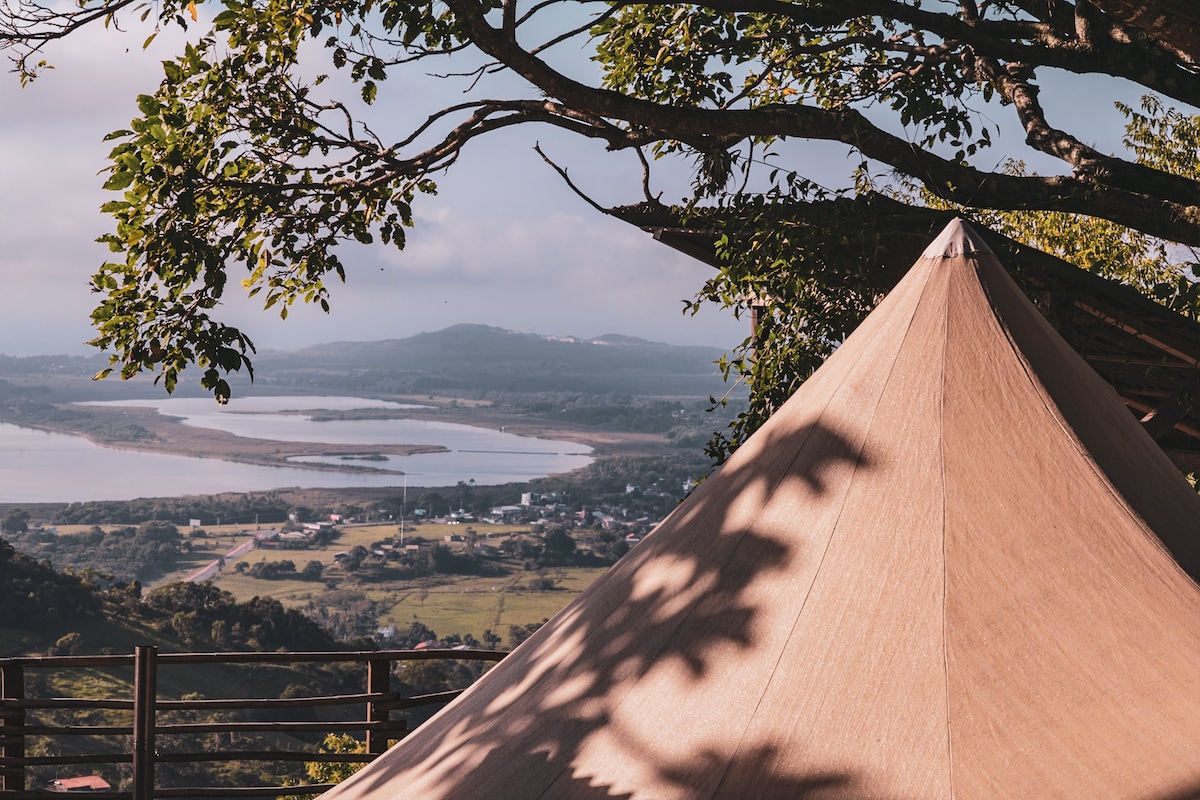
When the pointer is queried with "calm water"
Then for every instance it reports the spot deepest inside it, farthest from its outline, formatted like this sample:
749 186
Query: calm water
45 467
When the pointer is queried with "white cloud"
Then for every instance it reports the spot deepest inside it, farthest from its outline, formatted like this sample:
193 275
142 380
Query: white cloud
505 242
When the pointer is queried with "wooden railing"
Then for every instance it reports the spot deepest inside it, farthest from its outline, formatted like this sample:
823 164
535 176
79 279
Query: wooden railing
146 729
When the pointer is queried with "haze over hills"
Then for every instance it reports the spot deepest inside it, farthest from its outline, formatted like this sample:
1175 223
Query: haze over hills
474 359
482 358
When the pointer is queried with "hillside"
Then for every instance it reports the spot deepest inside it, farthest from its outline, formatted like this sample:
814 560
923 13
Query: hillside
39 606
47 612
461 359
479 358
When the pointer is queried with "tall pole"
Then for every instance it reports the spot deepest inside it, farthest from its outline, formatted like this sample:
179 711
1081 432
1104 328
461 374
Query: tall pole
12 720
379 673
145 690
403 508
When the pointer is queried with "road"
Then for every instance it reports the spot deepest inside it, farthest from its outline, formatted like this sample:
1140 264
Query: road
213 568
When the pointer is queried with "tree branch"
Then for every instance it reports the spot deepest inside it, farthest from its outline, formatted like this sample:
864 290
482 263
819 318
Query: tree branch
27 27
1087 162
706 130
562 173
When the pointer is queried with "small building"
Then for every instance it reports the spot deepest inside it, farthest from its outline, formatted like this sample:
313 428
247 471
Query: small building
86 783
506 513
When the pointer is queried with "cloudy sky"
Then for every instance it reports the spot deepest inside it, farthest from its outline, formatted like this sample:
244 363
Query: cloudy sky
504 243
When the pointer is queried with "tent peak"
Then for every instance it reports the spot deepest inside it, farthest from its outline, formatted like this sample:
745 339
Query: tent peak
956 239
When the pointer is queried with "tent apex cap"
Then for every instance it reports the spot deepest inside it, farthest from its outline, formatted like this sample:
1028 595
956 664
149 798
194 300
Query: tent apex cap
956 239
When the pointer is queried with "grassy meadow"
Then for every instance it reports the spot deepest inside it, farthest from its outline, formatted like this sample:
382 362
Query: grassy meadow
448 604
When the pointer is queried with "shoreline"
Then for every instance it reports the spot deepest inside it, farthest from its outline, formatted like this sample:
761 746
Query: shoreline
172 437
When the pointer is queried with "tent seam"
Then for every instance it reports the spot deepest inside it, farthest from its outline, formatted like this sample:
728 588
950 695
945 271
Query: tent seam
1051 405
945 568
832 533
803 604
741 539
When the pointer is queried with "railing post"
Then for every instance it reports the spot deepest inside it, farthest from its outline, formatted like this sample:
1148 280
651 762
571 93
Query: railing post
145 690
379 681
12 720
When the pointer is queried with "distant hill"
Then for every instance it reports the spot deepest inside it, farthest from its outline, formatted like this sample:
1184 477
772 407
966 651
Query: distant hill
481 358
459 359
19 366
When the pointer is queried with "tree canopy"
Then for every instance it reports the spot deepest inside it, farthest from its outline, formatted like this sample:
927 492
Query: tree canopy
261 150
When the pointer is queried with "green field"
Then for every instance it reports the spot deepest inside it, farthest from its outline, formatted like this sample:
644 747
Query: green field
447 604
473 605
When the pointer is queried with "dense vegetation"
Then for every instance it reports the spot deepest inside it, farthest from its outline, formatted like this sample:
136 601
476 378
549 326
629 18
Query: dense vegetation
34 596
242 509
127 553
202 616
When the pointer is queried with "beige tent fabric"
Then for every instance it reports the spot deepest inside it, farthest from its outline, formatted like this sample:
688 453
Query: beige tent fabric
938 571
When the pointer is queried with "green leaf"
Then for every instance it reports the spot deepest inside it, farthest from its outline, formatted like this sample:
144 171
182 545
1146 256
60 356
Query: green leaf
148 104
118 181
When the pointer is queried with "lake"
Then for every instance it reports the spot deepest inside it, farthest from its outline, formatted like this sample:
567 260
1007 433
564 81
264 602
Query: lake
36 466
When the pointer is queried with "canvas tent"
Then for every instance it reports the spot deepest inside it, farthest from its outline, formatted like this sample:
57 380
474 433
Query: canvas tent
1148 353
940 570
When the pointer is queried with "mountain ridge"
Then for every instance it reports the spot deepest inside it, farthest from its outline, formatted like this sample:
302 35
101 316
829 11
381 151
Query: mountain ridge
461 358
470 330
482 358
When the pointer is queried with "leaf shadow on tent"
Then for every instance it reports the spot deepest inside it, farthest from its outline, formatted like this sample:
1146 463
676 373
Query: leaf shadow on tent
815 785
677 610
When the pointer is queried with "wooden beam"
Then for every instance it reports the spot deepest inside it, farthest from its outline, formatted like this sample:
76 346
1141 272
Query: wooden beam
145 693
12 723
1163 418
